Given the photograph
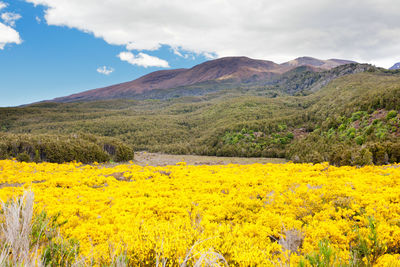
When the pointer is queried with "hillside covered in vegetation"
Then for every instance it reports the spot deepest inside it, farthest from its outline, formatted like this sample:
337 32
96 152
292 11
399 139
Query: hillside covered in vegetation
347 115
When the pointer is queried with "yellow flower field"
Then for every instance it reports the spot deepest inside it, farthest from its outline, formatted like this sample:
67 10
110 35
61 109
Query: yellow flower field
265 215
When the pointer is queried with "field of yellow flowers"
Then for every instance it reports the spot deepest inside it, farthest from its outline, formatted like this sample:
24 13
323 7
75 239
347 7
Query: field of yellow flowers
259 214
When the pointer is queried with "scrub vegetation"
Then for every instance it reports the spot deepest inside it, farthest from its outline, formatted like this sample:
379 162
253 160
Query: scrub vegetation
356 114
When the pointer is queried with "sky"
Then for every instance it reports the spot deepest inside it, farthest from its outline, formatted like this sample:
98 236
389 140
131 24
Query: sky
53 48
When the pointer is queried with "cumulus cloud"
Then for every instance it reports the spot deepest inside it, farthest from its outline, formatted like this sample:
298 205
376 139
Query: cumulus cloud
105 70
143 60
2 5
10 18
362 30
8 35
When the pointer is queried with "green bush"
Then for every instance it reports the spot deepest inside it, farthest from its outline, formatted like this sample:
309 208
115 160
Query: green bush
359 140
370 249
358 115
391 114
324 257
61 253
381 132
364 157
351 133
23 157
63 148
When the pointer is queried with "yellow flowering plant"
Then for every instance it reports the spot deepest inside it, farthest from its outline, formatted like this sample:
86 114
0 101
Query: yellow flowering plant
246 215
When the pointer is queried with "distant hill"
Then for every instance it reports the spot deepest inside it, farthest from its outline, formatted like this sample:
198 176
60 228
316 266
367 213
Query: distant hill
228 69
395 66
317 63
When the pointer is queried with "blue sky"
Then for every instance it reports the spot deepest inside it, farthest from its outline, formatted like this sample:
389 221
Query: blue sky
54 61
52 48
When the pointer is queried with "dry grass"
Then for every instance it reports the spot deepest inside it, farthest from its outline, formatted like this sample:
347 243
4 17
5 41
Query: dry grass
291 242
208 258
16 228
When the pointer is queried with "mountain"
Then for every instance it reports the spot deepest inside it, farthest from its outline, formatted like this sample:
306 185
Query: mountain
235 70
317 63
307 79
395 66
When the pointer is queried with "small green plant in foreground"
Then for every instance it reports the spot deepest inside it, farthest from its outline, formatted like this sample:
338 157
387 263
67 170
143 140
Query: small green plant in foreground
367 250
325 256
364 253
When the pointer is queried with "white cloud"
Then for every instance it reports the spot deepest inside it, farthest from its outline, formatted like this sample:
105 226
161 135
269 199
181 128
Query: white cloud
210 55
142 44
8 35
105 70
182 53
178 53
143 60
38 20
363 30
2 5
10 18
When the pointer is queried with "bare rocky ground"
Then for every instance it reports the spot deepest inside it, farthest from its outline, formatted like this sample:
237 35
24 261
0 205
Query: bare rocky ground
158 159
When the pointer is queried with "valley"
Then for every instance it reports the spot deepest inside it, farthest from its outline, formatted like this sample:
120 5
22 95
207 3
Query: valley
293 116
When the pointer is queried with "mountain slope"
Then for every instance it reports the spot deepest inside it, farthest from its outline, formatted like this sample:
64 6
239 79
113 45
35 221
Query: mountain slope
395 66
305 80
316 63
229 69
236 69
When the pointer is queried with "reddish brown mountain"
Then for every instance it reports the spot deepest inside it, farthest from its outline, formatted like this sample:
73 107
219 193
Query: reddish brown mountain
235 69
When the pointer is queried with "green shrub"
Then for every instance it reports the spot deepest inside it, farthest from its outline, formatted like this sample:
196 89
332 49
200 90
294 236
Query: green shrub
358 115
61 252
370 249
63 148
23 157
342 127
364 157
391 114
331 132
324 257
379 153
124 153
359 140
381 132
37 156
282 127
351 133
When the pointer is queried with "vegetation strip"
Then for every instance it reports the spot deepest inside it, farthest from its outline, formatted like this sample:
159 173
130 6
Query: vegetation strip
260 214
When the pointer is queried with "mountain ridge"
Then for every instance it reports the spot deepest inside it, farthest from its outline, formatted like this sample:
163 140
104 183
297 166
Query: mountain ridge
322 64
395 66
234 69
